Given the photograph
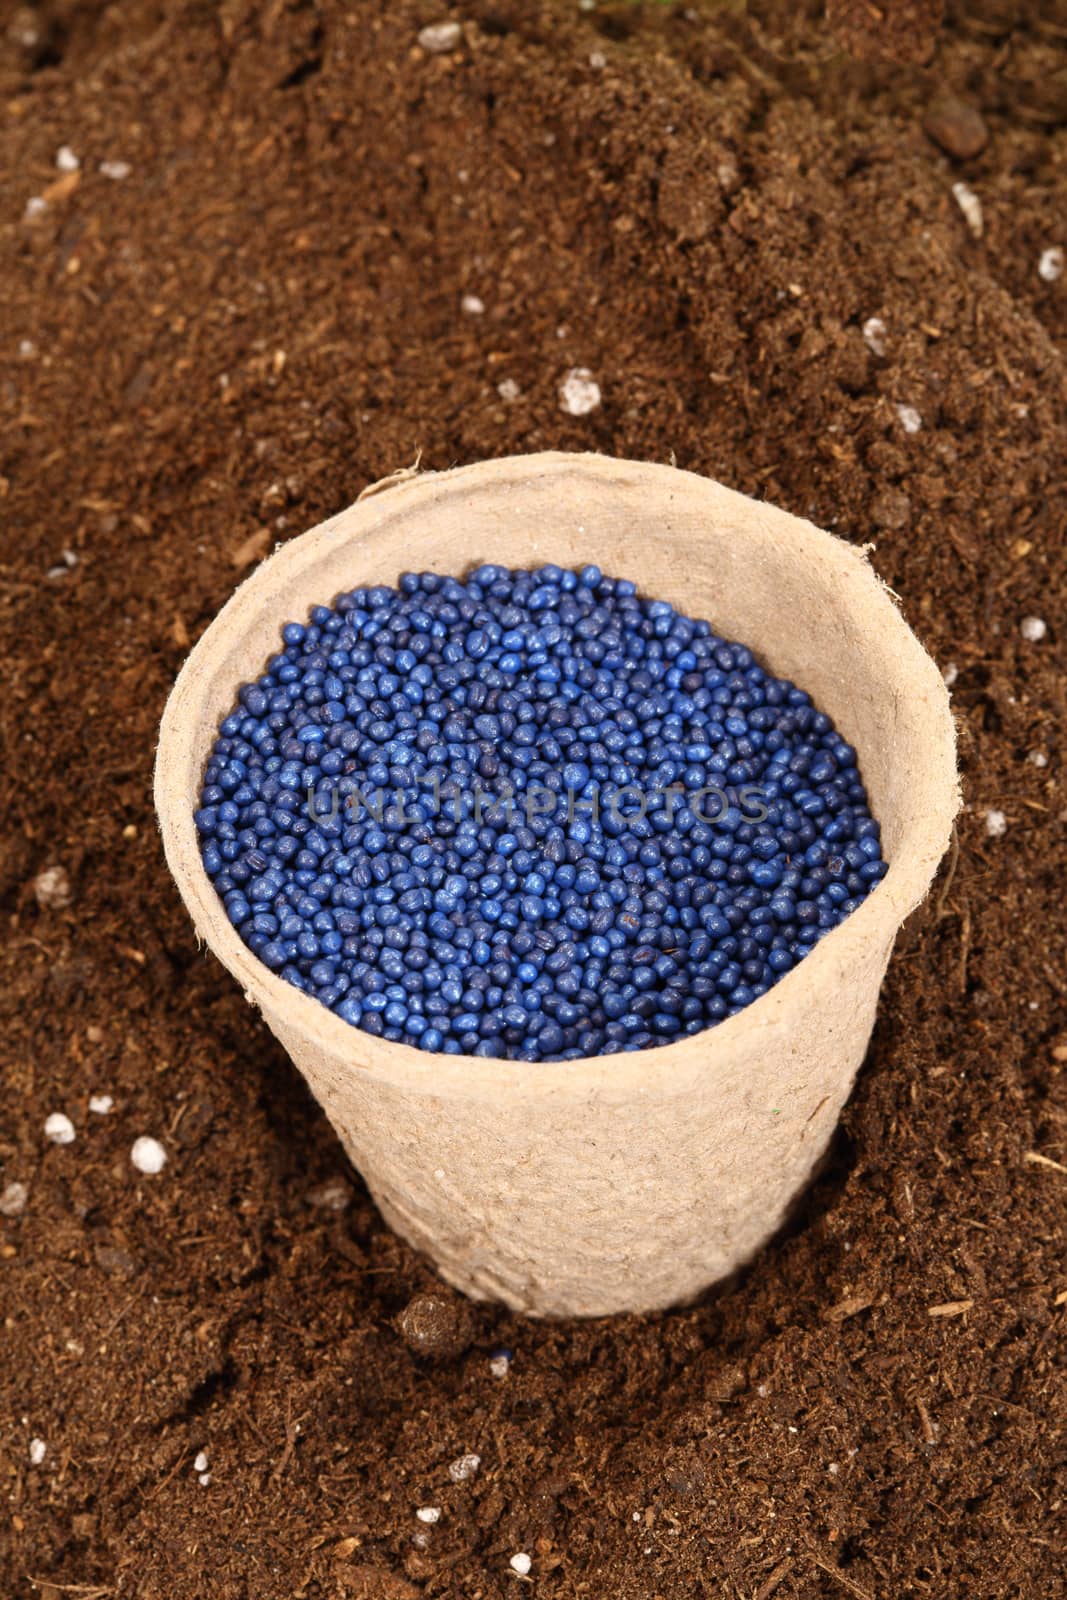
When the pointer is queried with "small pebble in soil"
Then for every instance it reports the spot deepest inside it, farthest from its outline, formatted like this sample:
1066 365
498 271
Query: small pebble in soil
59 1128
100 1104
464 1468
970 206
13 1200
1037 758
530 816
200 1462
957 127
115 170
440 37
1050 264
521 1563
996 824
66 160
436 1326
51 889
38 1451
148 1155
500 1363
472 305
1033 629
429 1513
508 390
910 420
874 335
579 393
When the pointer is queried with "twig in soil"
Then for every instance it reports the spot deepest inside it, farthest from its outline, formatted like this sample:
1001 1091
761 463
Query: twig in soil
1038 1160
291 1430
1009 1405
849 1583
767 1588
950 873
162 1484
1053 977
113 1324
92 1591
929 1431
965 946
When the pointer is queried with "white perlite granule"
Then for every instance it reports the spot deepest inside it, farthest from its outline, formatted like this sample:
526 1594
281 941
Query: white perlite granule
148 1155
333 1195
429 1513
579 393
910 419
38 1451
13 1203
464 1468
1033 629
51 889
996 824
874 331
971 207
59 1128
521 1563
440 37
1050 264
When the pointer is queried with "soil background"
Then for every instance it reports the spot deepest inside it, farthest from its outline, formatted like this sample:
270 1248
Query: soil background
703 205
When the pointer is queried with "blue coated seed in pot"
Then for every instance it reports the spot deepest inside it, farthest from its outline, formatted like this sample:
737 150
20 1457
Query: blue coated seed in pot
529 815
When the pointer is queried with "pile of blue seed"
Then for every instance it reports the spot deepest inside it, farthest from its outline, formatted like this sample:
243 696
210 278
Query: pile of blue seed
529 815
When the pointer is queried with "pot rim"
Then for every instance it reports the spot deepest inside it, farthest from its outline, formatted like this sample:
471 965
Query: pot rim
875 923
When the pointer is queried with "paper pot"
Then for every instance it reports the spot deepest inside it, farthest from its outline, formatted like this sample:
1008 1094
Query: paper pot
633 1181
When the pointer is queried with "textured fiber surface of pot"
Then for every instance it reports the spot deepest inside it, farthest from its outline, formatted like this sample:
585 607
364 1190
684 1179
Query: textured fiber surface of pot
633 1181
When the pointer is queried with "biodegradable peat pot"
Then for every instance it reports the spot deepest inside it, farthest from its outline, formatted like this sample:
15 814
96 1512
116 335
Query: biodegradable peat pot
625 1182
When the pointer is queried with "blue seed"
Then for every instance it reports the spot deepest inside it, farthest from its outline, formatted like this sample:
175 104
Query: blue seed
548 818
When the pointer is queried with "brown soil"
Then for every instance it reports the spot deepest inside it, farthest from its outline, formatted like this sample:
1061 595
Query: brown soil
703 205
